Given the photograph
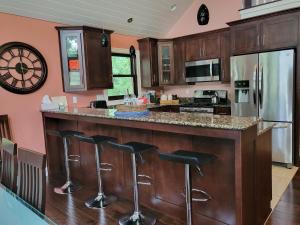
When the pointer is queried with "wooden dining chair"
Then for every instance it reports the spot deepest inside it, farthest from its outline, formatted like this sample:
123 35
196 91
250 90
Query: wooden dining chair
31 181
9 164
5 131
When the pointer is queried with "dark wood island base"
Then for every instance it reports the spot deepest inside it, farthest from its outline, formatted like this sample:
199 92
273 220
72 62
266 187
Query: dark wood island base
239 180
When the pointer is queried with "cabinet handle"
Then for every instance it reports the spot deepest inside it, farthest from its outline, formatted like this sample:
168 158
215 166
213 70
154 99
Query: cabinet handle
258 40
263 40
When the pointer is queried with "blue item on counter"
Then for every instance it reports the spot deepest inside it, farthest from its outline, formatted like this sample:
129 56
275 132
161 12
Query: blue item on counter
132 114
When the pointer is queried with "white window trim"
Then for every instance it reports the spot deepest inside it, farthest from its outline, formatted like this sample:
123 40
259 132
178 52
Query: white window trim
269 8
138 71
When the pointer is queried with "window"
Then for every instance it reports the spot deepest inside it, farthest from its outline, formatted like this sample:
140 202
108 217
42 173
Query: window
124 77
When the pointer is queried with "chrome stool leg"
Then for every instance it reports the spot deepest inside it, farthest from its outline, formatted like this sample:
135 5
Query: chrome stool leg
101 200
137 218
69 187
188 195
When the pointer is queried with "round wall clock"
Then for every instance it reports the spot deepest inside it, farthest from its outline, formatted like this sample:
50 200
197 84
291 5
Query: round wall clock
23 69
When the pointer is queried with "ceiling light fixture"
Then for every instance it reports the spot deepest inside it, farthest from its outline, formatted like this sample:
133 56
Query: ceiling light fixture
173 7
130 20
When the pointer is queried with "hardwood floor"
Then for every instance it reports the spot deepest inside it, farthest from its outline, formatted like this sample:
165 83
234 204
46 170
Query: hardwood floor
70 210
287 212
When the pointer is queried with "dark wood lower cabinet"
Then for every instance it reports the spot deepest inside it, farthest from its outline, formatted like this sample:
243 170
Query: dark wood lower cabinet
222 110
231 179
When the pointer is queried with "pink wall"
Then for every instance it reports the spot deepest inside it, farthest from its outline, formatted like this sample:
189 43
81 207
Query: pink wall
221 12
23 110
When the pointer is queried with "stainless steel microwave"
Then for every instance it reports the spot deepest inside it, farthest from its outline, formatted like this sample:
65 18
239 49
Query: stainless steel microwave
202 70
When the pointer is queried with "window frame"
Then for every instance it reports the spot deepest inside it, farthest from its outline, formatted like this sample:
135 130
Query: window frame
134 76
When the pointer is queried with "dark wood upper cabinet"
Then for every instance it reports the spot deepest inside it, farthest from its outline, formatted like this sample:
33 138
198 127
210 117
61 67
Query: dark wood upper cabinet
280 32
149 62
179 61
225 56
166 63
210 46
264 33
192 49
245 38
86 65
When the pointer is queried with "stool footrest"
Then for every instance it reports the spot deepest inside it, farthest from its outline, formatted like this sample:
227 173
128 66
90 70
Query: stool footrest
206 197
106 167
147 178
74 158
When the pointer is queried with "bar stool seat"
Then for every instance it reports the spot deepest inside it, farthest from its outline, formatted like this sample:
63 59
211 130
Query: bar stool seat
190 158
69 187
101 200
136 148
63 133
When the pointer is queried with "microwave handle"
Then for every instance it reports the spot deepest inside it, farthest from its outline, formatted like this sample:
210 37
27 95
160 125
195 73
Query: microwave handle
211 69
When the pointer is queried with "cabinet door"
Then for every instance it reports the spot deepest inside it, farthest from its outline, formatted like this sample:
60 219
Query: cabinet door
148 58
179 61
245 38
225 57
211 46
154 63
165 63
219 110
72 61
192 49
97 61
280 32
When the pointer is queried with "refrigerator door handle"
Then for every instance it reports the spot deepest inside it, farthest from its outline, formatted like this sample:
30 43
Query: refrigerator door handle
254 83
260 84
262 87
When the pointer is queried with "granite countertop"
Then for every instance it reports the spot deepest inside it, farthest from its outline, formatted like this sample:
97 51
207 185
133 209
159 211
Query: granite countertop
264 126
184 119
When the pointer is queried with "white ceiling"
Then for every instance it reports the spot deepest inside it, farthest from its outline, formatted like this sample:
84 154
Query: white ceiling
152 18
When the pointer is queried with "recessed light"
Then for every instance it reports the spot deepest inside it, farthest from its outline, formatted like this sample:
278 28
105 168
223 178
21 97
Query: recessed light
173 7
130 20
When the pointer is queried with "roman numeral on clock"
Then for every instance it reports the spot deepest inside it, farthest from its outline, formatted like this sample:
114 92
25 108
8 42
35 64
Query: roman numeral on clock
14 82
6 76
35 76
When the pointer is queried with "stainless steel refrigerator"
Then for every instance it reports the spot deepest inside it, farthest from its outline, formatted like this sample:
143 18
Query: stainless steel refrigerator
263 86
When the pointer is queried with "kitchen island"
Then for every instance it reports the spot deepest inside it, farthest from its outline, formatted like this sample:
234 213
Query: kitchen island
239 181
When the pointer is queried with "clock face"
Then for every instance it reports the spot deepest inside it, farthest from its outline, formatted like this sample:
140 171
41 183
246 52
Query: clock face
23 69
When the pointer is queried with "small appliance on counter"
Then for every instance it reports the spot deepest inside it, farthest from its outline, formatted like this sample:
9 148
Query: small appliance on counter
98 104
151 96
204 101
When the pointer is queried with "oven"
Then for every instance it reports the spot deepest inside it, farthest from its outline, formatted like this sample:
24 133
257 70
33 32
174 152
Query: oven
202 70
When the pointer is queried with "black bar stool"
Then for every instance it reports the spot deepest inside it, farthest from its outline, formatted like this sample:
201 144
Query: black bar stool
69 186
197 160
136 149
101 200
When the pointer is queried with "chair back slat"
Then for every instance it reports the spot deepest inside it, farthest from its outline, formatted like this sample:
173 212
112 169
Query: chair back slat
9 164
5 131
32 178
